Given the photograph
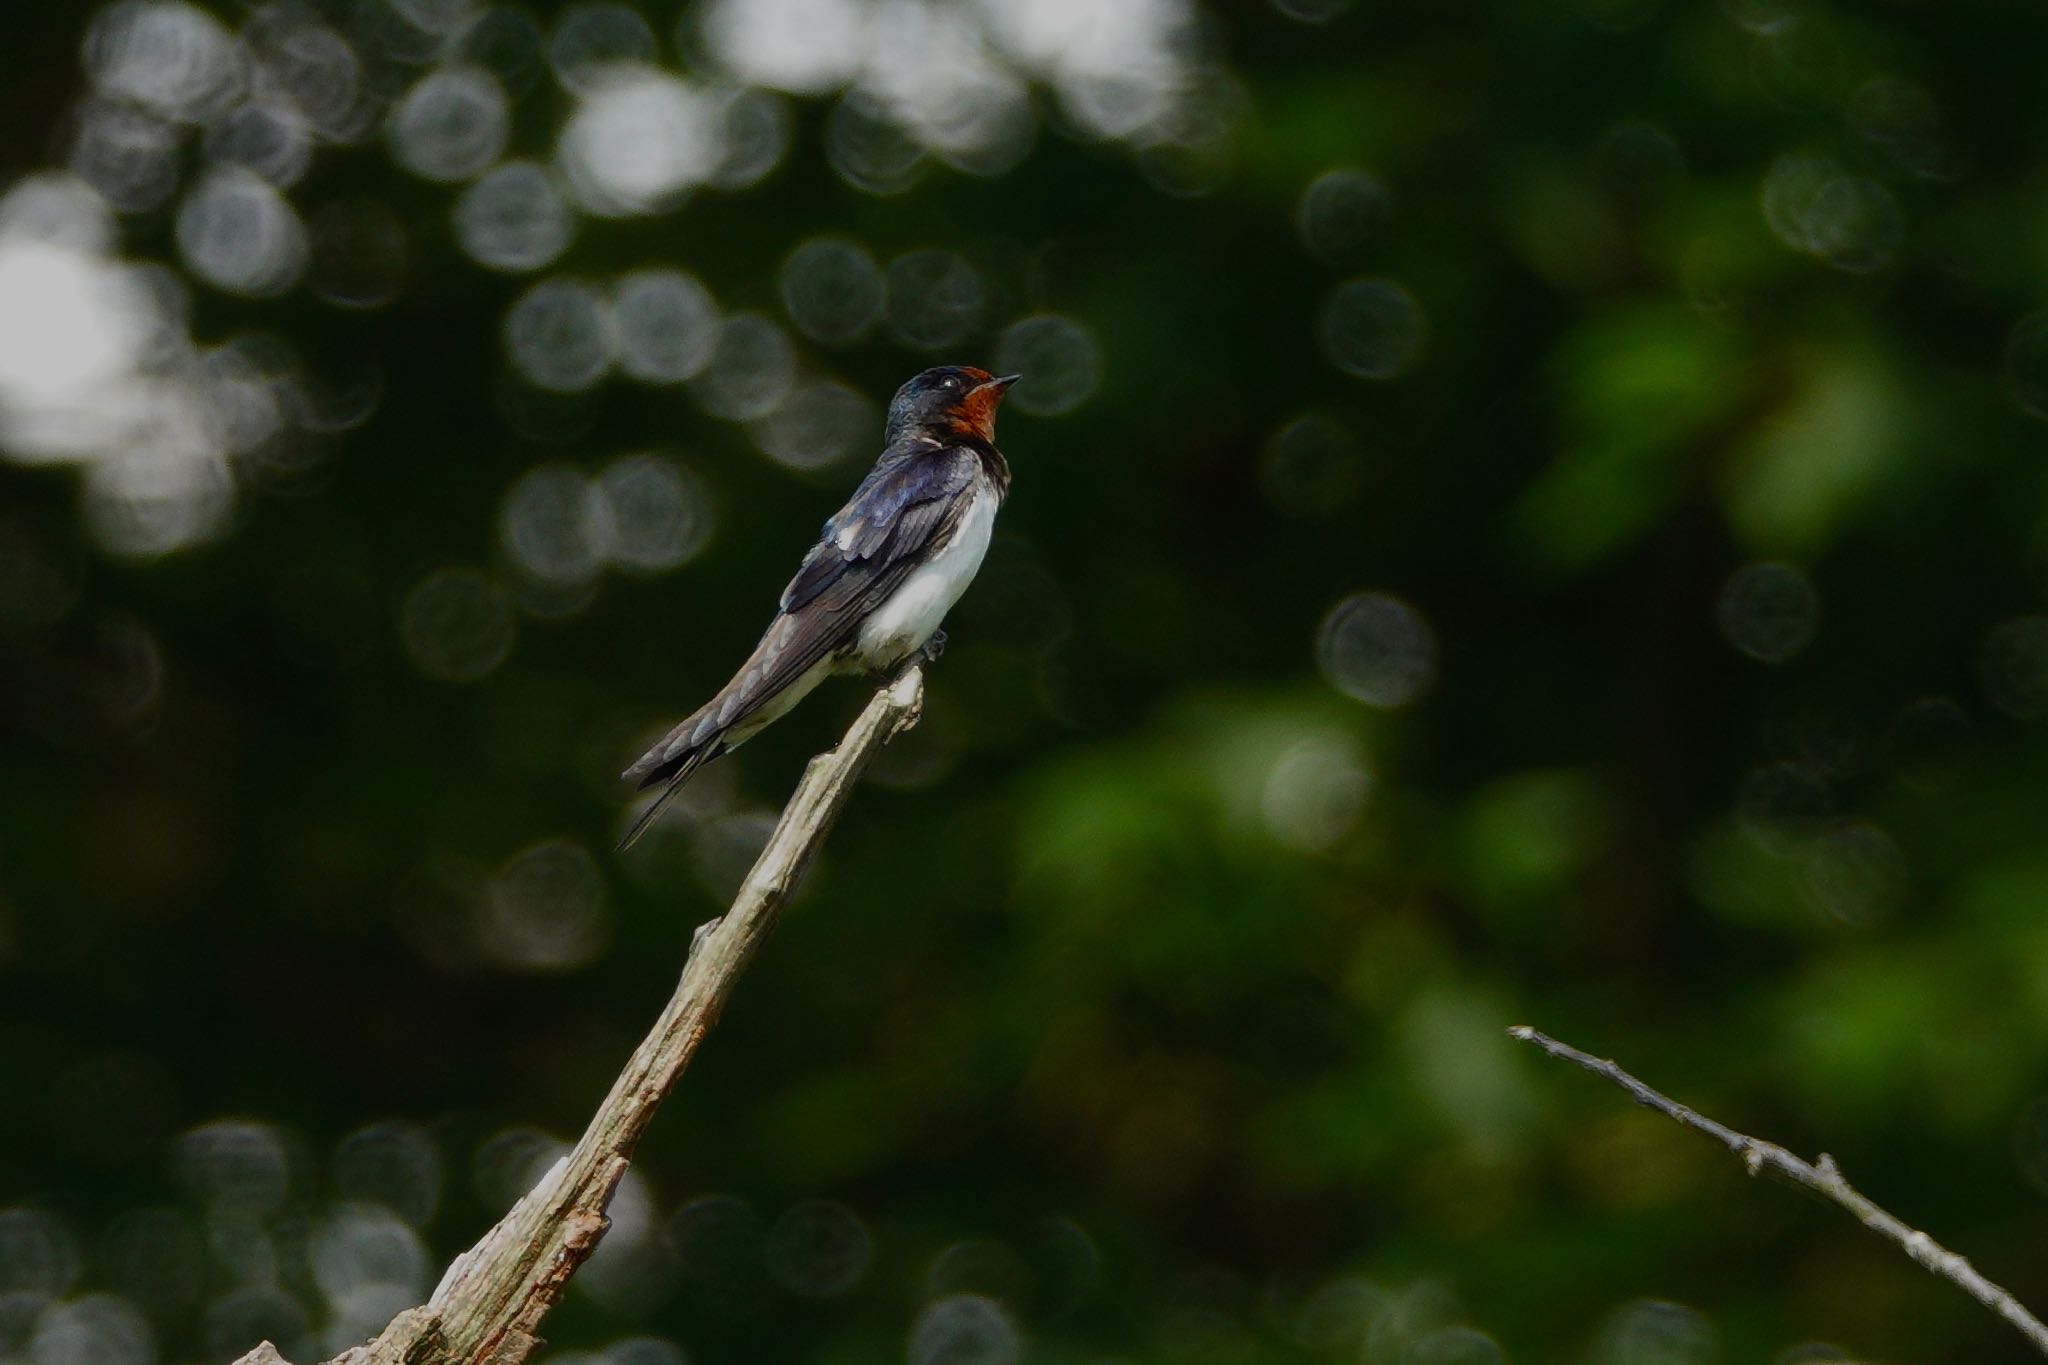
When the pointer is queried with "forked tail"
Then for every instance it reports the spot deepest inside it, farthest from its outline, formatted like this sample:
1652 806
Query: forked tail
783 667
672 778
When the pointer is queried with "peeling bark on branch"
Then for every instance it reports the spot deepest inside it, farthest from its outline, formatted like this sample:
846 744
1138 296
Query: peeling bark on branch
489 1306
1822 1177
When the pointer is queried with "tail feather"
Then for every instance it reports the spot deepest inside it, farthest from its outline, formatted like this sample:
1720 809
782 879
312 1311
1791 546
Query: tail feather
709 724
669 763
772 680
673 750
675 775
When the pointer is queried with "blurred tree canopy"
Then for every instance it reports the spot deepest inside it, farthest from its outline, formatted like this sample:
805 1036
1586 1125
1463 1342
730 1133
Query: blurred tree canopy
1522 514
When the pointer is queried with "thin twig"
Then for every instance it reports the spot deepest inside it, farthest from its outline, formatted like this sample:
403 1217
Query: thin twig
488 1308
1823 1177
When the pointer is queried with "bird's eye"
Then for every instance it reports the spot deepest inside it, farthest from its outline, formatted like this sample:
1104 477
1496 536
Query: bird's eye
951 382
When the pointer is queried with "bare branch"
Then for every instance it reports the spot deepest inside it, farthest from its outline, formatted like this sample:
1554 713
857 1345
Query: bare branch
1823 1178
488 1308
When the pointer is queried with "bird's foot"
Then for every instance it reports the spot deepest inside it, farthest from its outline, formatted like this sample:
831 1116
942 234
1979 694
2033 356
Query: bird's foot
933 648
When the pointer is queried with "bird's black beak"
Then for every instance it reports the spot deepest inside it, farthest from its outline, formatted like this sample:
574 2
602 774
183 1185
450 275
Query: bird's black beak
1001 384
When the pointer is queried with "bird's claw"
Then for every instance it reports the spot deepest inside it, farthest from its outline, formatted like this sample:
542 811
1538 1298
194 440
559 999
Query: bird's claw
933 647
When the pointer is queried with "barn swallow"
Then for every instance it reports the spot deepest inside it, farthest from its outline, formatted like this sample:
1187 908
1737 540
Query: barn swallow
873 590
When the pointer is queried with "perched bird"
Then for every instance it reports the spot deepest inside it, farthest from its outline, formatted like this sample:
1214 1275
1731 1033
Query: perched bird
873 590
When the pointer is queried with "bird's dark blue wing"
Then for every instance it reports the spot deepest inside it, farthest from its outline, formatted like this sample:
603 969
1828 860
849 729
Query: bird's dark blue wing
892 518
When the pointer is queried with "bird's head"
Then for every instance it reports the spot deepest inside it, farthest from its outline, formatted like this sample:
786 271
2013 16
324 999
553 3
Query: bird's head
950 401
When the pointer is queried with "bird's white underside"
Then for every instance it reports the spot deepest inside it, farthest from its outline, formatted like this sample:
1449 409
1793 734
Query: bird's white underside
901 626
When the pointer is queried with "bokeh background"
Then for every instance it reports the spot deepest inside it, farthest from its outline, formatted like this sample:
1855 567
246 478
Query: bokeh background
1523 514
